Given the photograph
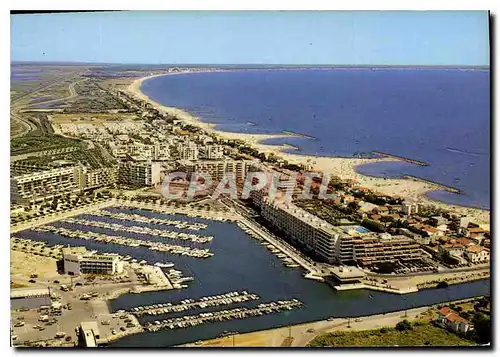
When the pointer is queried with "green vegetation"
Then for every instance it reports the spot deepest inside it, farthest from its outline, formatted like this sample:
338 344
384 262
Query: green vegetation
373 226
37 141
482 327
418 334
328 211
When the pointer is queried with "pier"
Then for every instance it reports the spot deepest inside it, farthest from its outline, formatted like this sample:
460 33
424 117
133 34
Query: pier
214 215
224 315
162 247
284 248
189 304
140 230
144 219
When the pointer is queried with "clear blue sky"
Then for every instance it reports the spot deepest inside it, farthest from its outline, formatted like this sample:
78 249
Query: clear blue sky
319 37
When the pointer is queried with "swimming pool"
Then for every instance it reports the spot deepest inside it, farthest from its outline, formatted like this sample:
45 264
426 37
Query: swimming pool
361 229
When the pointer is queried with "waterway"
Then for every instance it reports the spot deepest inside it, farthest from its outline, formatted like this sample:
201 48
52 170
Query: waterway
241 263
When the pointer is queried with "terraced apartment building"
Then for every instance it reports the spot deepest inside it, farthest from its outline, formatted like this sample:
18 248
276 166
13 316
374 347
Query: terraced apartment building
38 186
337 244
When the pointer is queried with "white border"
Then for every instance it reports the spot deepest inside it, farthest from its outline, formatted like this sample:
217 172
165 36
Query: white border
190 5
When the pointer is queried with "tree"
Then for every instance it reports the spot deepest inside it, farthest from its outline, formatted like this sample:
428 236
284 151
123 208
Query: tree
404 325
482 327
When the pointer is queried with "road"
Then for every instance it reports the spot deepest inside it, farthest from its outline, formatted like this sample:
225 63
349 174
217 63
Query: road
15 109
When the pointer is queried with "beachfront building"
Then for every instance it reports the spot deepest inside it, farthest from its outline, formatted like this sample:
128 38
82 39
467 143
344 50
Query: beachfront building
139 173
409 208
77 261
38 186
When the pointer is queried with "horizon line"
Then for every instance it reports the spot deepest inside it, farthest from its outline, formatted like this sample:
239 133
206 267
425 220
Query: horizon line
248 65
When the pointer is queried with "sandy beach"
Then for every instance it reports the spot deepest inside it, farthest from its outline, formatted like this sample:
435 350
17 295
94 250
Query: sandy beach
342 167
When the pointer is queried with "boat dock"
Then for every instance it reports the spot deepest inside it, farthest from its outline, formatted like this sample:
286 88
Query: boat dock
162 247
144 219
190 304
224 315
278 246
196 238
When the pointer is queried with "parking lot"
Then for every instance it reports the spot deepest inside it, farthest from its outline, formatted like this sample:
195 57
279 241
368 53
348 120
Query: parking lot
82 299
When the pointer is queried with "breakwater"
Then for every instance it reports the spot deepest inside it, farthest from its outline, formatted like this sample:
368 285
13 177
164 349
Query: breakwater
401 158
441 186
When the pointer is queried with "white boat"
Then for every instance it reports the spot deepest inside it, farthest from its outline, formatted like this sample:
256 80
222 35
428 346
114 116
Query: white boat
164 265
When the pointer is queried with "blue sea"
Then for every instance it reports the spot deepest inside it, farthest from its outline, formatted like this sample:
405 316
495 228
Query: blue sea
439 116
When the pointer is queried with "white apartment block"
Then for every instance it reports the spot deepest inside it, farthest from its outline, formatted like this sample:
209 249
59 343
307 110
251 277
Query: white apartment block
104 176
38 186
78 260
188 152
409 208
142 173
315 234
211 152
335 244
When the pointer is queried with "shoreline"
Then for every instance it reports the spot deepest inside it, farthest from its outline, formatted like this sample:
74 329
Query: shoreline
345 168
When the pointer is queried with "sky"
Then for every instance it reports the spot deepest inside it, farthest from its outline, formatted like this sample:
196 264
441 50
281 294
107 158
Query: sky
255 37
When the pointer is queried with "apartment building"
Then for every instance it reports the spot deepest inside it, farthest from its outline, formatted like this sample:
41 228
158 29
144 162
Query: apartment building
139 173
303 228
77 261
188 151
375 249
211 152
215 169
101 177
409 208
39 186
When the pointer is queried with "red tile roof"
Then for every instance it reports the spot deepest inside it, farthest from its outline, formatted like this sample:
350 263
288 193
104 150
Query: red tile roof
464 241
445 311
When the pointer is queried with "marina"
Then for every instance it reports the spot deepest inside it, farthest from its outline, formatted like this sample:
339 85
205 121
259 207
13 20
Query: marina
195 238
190 304
144 219
224 315
162 247
239 263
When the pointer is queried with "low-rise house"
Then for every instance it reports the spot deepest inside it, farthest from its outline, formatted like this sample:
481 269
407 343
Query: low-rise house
431 231
477 254
466 242
477 238
456 250
449 319
366 207
476 230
